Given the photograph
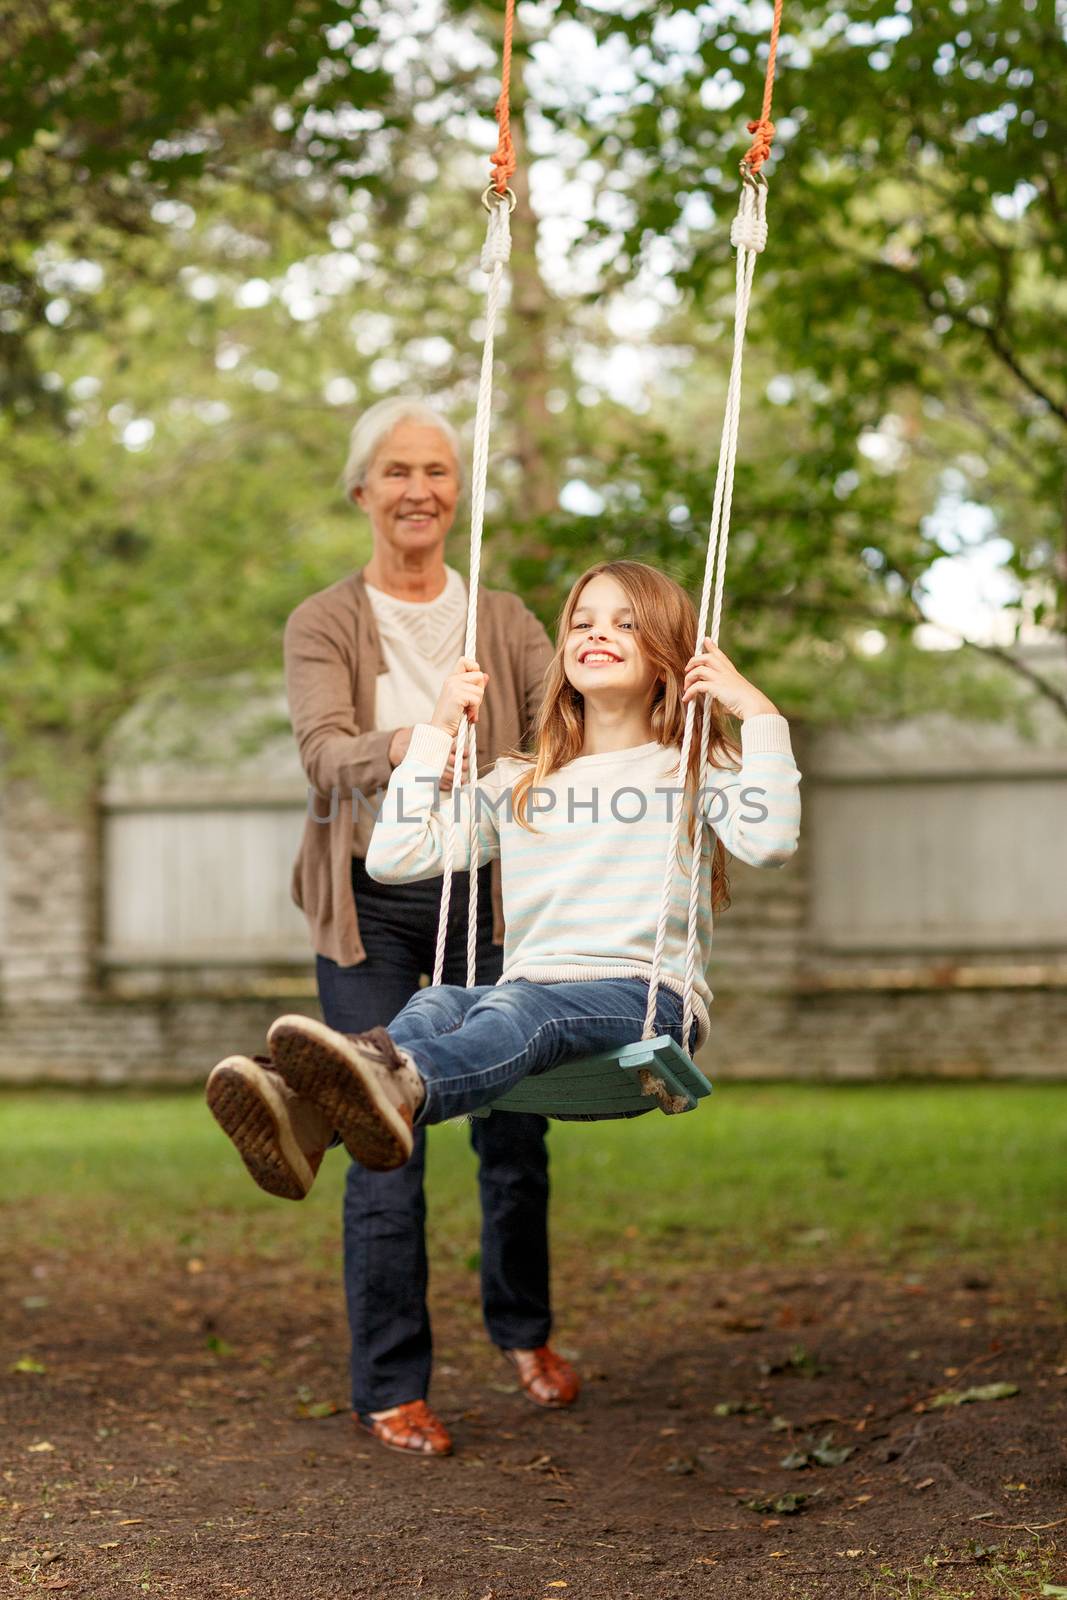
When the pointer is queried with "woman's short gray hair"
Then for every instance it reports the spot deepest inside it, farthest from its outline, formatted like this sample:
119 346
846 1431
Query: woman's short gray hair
377 423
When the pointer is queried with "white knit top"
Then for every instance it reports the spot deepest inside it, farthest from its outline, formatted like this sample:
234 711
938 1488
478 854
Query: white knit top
421 641
582 893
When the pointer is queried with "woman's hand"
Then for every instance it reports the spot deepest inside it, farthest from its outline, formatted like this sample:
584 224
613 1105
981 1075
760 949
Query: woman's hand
461 695
714 673
398 745
398 749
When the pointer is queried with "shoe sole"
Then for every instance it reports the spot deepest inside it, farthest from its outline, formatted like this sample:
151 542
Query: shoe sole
253 1115
322 1066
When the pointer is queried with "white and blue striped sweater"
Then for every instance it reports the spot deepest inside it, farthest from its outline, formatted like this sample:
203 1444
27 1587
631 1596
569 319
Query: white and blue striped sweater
582 893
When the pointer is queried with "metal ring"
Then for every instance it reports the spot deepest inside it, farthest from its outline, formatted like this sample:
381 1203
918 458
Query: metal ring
755 180
508 196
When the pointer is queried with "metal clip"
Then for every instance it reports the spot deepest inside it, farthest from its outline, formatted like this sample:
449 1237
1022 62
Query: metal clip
492 195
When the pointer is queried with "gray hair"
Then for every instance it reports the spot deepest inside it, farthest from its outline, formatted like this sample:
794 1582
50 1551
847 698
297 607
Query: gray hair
375 426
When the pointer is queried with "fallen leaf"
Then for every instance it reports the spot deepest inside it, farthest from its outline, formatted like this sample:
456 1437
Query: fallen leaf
786 1505
812 1453
681 1466
965 1397
828 1454
28 1364
37 1449
733 1408
925 1484
111 1544
320 1408
557 1583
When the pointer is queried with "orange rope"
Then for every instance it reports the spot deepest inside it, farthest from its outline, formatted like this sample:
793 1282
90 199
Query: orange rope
503 158
763 129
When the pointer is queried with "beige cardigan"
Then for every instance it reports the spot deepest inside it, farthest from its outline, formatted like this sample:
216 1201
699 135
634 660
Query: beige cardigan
332 658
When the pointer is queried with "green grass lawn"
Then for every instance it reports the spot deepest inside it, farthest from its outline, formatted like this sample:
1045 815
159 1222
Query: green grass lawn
887 1172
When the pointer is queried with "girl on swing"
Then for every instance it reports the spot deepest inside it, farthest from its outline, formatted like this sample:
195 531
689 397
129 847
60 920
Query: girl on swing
581 830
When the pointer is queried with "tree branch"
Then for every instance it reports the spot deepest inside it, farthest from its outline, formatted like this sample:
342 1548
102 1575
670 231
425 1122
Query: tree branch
967 319
1047 690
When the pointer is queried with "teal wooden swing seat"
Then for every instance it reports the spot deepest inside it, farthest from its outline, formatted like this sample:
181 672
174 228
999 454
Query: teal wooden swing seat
609 1084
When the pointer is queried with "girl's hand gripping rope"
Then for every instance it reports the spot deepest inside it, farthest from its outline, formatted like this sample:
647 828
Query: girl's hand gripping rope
712 672
462 694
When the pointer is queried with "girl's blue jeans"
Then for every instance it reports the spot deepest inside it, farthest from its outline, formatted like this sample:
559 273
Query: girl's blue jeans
472 1045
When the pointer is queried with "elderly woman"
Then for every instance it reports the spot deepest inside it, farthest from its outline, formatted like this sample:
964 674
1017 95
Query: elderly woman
364 661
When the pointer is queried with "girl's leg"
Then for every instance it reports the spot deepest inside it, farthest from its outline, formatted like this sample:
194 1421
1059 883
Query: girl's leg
521 1028
376 1086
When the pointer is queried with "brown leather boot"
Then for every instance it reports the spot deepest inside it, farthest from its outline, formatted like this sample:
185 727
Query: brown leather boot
280 1138
363 1086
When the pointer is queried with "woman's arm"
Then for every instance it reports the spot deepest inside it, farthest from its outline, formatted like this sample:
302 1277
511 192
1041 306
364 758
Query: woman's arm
410 838
334 752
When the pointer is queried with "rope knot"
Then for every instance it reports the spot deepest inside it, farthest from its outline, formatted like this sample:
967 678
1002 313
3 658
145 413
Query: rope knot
503 161
496 252
749 231
760 148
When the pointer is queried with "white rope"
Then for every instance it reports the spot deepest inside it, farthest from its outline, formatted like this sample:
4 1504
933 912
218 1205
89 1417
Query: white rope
749 237
495 255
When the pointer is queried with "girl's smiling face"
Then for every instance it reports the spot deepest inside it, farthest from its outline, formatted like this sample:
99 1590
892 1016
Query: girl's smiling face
601 654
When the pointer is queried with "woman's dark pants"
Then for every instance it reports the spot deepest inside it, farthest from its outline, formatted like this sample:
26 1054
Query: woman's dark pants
385 1212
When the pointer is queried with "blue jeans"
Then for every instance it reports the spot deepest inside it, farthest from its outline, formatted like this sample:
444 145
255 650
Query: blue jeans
472 1045
385 1263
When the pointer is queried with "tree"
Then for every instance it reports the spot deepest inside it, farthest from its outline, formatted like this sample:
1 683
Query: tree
912 297
108 108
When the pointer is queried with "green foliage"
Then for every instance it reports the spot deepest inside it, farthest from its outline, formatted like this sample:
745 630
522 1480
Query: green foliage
170 438
912 294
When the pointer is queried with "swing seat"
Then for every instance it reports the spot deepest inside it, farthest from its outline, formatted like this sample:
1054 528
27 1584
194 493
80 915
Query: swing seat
607 1085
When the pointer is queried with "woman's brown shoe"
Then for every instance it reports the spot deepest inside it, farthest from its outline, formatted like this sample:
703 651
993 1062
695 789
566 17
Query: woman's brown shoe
412 1428
545 1377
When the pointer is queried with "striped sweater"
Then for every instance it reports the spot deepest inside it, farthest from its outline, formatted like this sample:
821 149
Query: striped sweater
582 893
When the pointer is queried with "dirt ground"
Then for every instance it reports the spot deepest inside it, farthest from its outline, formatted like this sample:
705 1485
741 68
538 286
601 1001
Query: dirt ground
163 1435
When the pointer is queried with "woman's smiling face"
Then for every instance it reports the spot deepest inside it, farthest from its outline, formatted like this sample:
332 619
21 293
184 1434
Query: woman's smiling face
601 653
411 488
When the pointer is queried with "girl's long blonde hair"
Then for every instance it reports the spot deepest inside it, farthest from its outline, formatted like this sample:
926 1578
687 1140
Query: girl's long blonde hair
665 627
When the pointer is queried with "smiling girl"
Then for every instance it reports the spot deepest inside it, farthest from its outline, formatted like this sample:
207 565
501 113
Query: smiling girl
581 832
